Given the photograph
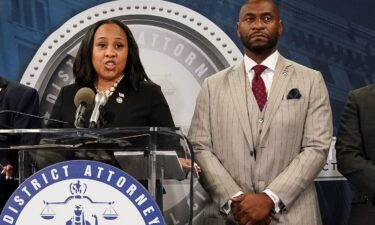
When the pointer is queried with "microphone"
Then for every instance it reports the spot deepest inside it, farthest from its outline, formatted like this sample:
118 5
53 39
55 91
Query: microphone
83 100
6 111
100 101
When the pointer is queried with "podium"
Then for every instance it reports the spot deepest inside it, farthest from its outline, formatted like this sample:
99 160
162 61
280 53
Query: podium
149 154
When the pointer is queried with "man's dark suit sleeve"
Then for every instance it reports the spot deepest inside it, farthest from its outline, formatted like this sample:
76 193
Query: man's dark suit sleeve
351 157
28 103
3 196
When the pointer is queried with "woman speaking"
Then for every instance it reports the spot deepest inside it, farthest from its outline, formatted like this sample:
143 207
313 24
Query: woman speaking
108 63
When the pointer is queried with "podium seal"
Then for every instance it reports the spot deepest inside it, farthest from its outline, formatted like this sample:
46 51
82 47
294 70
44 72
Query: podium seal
81 192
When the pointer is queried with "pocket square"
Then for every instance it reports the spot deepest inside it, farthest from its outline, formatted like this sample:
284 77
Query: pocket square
294 94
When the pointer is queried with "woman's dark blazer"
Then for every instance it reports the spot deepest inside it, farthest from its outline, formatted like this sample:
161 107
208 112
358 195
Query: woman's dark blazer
144 107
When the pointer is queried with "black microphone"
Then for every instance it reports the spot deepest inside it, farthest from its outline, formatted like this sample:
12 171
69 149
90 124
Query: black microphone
83 100
5 111
100 101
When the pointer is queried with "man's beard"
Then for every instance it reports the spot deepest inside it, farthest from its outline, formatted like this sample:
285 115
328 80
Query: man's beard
262 48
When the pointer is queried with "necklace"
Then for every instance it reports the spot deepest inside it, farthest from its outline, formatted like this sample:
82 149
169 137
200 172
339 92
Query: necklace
112 89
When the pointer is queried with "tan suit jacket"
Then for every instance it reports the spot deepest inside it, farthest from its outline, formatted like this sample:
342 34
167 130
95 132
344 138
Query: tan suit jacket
282 148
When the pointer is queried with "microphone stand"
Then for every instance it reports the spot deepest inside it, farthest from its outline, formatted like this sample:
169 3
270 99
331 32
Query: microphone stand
102 122
79 118
93 125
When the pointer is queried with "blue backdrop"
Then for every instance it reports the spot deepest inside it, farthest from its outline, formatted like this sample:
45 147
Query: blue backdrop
336 37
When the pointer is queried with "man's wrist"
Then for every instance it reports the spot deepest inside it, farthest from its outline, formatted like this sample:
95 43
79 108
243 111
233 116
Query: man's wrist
226 208
278 205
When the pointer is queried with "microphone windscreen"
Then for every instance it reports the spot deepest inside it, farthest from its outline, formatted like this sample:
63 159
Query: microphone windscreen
84 95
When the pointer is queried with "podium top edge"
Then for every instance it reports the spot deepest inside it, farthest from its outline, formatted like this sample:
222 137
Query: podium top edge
91 130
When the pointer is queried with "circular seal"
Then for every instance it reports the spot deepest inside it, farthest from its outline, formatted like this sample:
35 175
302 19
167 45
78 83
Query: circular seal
71 192
179 48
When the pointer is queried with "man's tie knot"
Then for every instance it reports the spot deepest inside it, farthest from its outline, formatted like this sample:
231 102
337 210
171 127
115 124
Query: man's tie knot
258 70
258 86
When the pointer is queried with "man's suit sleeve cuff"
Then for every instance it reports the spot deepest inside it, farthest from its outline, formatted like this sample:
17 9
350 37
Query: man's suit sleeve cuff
278 204
226 208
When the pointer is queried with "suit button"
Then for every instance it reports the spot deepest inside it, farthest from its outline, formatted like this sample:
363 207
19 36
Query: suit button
261 120
251 153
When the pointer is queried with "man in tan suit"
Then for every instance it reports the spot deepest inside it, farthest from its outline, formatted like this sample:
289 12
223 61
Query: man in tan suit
262 130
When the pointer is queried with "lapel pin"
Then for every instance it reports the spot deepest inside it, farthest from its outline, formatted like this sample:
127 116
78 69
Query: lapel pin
286 71
119 100
120 97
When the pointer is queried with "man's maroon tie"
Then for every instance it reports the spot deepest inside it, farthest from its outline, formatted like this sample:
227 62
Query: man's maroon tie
259 89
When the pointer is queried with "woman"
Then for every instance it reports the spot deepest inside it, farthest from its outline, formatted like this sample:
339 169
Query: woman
108 62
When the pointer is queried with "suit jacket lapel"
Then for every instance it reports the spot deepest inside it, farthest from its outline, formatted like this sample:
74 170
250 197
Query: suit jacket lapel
237 86
280 81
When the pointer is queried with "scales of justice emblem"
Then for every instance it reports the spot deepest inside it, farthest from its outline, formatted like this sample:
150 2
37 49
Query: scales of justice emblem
81 192
79 215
